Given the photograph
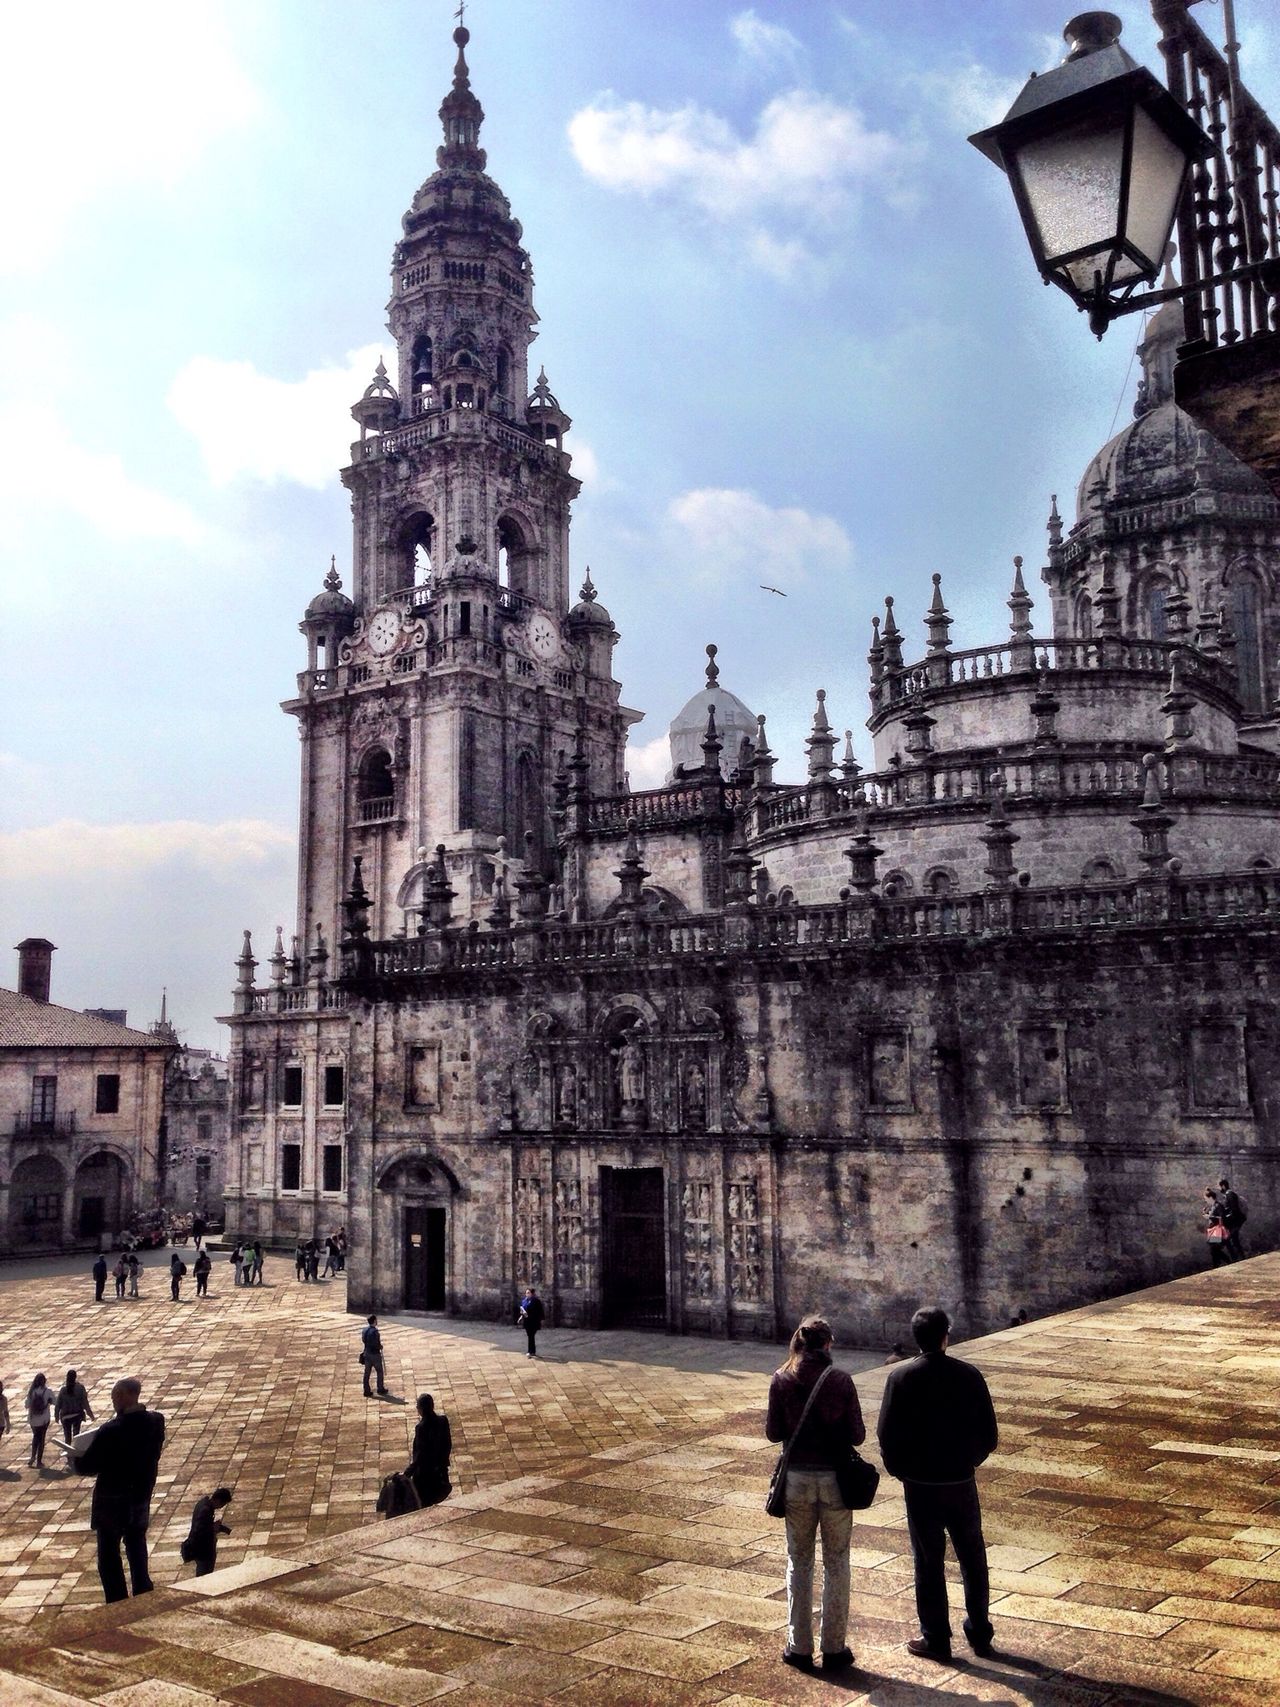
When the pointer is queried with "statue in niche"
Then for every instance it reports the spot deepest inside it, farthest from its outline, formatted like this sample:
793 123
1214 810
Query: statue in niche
695 1096
628 1067
566 1106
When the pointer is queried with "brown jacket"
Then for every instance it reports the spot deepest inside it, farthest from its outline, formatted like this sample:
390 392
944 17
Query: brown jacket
834 1424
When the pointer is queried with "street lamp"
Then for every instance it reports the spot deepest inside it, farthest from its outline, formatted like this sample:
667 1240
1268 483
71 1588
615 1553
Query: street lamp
1097 153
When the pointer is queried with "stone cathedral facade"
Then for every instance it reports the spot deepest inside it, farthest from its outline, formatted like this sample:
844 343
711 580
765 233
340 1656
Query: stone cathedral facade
976 1026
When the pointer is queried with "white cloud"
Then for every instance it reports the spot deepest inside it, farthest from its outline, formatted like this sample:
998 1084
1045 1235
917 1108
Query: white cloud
73 849
969 96
44 472
94 97
733 536
763 42
250 425
802 168
648 765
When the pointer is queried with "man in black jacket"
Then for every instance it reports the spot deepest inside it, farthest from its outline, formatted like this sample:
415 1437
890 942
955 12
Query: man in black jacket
937 1424
124 1455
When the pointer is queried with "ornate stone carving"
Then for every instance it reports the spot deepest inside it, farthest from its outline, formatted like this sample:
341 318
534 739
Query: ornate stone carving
745 1243
571 1248
529 1236
698 1235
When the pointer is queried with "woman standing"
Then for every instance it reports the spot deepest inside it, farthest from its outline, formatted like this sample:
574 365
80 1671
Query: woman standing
432 1449
72 1406
39 1415
134 1266
531 1318
831 1429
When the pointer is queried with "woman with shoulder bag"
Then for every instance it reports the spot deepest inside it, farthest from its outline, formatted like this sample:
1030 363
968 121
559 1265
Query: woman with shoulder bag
813 1407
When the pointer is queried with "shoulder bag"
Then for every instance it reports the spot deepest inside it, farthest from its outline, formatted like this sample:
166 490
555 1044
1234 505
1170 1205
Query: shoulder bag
858 1481
775 1503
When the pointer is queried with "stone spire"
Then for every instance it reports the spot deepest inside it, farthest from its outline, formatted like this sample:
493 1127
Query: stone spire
631 873
712 745
891 638
461 115
762 758
1021 650
1153 823
875 659
821 744
938 620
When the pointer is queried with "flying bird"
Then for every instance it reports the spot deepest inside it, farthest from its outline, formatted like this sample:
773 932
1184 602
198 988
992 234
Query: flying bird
777 590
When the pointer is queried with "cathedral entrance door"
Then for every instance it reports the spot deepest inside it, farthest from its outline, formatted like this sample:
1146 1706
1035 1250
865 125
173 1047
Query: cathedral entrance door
634 1291
424 1235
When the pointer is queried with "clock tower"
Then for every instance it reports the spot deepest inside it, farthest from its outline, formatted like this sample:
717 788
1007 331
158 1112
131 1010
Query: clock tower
441 697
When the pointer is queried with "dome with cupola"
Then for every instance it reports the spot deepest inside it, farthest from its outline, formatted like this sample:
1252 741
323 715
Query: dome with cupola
734 723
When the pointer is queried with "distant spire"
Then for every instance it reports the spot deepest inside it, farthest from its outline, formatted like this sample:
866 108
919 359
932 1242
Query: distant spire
713 669
333 581
891 638
461 115
937 620
588 593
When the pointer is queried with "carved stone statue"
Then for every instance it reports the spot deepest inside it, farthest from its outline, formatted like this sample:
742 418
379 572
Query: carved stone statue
630 1080
695 1096
566 1109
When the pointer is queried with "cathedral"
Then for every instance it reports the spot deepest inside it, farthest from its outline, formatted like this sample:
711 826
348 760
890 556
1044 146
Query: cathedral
973 1027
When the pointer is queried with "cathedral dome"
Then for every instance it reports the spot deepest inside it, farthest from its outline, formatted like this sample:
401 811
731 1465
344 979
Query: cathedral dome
734 723
589 612
1161 453
331 601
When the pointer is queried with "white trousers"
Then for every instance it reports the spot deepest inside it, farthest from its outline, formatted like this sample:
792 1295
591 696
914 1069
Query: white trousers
813 1505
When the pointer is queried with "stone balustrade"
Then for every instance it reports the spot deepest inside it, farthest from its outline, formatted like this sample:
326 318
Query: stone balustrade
1167 900
1013 657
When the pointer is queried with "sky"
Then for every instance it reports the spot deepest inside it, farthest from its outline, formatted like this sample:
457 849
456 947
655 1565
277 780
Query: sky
790 310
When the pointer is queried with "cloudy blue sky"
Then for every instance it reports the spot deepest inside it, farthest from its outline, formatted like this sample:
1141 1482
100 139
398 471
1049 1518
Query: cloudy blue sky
787 305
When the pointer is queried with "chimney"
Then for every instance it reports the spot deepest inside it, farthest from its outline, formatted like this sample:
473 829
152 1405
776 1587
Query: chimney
35 962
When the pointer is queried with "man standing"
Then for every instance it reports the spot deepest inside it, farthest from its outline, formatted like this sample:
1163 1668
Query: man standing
124 1456
72 1406
177 1269
255 1271
531 1317
201 1545
201 1268
937 1424
371 1357
99 1277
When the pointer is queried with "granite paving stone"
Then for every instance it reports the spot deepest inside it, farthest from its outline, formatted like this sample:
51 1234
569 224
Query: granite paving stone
1133 1519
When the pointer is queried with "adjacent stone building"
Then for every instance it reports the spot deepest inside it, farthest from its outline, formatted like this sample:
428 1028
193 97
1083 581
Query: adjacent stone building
197 1112
82 1100
976 1026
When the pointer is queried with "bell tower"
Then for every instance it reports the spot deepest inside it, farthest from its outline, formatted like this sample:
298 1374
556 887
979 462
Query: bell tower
445 694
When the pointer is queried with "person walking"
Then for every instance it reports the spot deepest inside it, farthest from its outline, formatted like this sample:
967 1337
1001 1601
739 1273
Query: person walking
72 1406
99 1277
134 1267
330 1257
937 1425
39 1416
255 1272
1234 1217
201 1545
820 1441
531 1318
123 1457
177 1268
372 1358
300 1260
1216 1231
120 1274
201 1268
432 1450
313 1260
199 1227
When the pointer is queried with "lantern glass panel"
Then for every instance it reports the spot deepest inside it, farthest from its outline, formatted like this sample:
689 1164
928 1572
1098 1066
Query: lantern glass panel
1072 181
1155 181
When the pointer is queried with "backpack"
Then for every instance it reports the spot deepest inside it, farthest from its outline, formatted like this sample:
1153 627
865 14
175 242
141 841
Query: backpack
398 1495
182 1269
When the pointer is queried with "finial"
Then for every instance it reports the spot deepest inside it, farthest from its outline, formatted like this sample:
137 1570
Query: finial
713 669
1019 585
821 721
936 604
938 622
890 626
1151 787
333 581
588 593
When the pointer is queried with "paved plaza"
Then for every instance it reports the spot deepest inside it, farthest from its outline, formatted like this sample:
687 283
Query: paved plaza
607 1543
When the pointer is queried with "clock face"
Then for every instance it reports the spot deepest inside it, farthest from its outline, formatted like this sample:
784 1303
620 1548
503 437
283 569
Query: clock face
543 640
383 631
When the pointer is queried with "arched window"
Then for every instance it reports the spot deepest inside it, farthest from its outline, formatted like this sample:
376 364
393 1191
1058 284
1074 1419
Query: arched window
515 556
421 377
896 884
376 785
1100 871
940 881
1261 863
415 543
1084 617
1246 624
1155 610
